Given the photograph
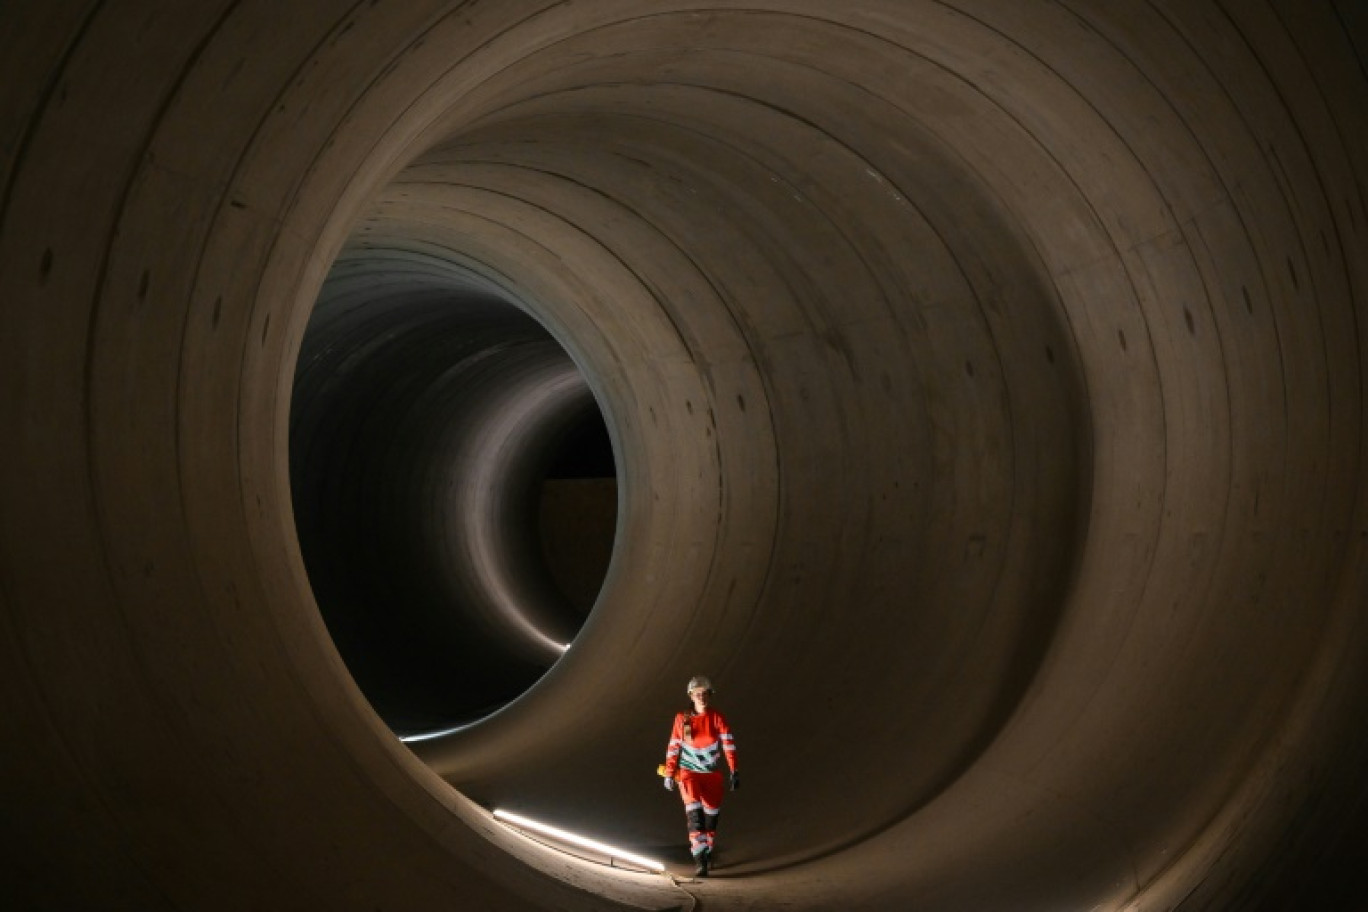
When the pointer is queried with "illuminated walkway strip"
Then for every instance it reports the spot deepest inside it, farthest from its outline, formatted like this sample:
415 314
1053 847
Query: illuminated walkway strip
581 841
429 736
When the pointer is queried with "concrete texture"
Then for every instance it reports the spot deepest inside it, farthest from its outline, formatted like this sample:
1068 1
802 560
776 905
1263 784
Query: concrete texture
985 381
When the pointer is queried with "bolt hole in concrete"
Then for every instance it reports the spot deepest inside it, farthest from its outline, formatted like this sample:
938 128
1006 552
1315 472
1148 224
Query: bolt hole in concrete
453 485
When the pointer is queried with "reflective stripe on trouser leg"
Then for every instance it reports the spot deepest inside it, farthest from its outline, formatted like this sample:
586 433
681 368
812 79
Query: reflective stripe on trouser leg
702 796
693 813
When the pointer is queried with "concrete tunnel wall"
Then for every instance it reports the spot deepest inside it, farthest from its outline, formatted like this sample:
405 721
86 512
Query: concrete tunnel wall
985 381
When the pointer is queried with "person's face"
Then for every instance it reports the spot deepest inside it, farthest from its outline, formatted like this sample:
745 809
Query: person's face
700 697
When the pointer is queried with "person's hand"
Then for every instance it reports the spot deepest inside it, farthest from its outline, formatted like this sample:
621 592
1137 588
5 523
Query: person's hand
669 784
735 781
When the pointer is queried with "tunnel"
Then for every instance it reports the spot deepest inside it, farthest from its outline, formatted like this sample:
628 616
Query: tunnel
402 401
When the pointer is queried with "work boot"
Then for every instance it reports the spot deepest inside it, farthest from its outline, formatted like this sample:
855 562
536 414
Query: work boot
704 862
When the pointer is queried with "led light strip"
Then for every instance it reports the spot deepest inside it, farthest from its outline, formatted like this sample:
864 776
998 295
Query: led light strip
580 841
428 736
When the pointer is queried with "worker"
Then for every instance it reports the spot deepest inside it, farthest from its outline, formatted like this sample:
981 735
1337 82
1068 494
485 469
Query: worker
699 742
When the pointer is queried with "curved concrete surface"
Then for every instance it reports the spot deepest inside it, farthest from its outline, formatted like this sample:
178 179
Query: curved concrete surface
985 384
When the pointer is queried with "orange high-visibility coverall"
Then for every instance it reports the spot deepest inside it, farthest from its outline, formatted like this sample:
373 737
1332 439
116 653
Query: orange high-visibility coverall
698 745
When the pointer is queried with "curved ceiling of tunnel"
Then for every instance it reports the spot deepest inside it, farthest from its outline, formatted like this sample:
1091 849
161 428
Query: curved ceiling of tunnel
985 386
453 487
906 264
693 206
882 290
999 325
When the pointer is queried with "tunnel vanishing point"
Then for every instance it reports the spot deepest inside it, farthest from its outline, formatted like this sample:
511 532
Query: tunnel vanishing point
974 389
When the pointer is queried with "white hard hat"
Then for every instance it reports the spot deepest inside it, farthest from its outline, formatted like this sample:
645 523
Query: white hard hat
698 681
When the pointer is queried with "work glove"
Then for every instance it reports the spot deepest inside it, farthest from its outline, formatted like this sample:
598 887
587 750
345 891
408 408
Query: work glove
669 784
735 781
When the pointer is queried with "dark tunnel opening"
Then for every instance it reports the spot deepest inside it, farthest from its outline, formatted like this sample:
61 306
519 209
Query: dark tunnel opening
577 511
454 492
